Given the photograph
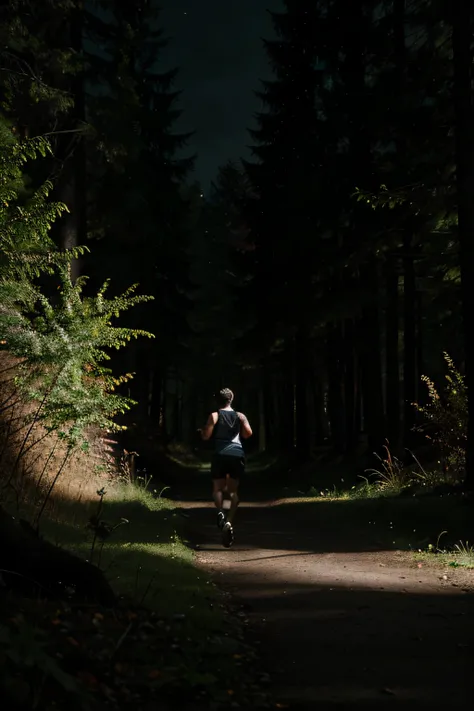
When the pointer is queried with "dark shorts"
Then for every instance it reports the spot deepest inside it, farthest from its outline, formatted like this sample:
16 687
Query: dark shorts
223 464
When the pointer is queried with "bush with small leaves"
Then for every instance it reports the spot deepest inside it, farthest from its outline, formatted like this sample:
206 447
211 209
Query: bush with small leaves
63 342
445 418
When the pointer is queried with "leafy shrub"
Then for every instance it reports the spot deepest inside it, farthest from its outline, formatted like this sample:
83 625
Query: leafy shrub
445 419
62 339
26 249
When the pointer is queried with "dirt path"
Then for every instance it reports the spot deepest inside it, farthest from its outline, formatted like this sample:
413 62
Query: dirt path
341 625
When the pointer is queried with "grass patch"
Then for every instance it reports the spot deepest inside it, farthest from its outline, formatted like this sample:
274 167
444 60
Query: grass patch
390 478
384 523
200 459
145 557
460 555
172 638
183 455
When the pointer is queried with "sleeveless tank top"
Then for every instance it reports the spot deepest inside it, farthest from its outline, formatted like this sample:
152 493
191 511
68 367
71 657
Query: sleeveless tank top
227 434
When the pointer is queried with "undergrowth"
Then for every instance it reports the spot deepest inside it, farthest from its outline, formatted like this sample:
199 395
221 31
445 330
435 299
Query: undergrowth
393 477
132 535
171 637
58 385
444 424
459 555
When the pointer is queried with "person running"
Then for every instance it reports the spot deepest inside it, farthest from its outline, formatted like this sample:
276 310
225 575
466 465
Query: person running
228 463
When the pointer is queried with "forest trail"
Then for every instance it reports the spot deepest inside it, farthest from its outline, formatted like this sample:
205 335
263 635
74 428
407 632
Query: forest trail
339 622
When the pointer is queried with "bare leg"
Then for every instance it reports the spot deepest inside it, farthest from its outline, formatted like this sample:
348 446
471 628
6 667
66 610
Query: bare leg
218 486
232 486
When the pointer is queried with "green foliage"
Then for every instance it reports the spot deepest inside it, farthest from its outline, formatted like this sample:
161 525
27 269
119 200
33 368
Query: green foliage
169 606
64 344
36 57
133 103
385 197
62 340
446 416
461 555
26 249
25 244
390 478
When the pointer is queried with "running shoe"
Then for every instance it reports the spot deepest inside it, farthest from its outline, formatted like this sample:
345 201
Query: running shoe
227 535
220 520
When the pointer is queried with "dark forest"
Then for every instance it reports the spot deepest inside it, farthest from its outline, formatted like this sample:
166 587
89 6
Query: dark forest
326 277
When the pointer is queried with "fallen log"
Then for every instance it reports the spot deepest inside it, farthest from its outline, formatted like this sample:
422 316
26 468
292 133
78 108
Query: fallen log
33 566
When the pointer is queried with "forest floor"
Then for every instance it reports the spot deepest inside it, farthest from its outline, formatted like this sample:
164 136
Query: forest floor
172 642
346 609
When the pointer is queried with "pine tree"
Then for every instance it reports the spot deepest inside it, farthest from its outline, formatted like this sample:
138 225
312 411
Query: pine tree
412 80
462 35
145 235
288 148
34 58
219 272
364 124
42 87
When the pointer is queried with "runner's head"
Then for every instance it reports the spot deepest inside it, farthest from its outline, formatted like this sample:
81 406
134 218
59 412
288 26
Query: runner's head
224 397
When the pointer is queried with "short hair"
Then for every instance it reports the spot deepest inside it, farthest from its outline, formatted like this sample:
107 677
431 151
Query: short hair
224 397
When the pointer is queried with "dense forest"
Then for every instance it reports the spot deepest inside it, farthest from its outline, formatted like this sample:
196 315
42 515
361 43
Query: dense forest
322 277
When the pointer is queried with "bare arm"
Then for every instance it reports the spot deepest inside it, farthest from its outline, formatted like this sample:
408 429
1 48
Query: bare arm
245 429
207 430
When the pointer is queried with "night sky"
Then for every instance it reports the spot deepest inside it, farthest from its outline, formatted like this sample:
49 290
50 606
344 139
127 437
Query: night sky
217 46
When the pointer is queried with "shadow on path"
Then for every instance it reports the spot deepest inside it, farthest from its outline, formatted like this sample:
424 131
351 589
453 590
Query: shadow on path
341 621
343 526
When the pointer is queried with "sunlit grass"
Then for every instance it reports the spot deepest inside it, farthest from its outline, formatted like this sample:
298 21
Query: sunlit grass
256 463
145 559
196 465
148 562
460 555
410 524
151 568
463 555
392 477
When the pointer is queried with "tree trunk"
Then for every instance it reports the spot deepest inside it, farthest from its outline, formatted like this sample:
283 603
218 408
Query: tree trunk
178 421
464 112
409 282
302 348
354 73
287 400
392 327
409 294
350 394
149 398
320 418
420 351
193 414
336 388
409 340
262 440
359 406
72 180
269 413
374 415
164 407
